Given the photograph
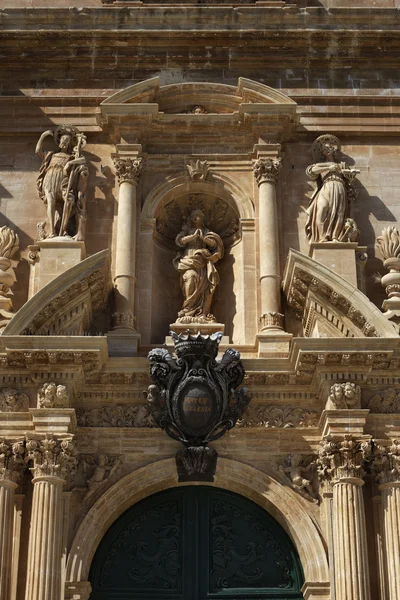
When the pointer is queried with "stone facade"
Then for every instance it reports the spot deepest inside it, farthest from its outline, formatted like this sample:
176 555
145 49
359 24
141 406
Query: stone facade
278 121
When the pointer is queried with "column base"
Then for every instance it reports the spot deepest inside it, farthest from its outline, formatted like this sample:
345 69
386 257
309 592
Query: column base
273 343
123 342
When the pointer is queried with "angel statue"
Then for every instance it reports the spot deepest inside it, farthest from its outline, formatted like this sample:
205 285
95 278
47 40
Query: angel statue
62 182
328 213
199 278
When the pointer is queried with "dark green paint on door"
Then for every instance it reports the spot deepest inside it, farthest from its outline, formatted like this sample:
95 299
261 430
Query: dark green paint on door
196 543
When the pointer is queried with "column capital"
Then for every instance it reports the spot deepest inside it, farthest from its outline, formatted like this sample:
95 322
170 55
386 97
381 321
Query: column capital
343 460
128 169
386 463
52 457
267 170
12 455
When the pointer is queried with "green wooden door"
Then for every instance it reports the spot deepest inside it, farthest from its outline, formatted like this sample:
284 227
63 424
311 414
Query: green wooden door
196 543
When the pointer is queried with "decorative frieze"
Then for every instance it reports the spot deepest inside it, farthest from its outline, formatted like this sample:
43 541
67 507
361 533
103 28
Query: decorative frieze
13 401
115 416
267 170
387 402
342 459
12 459
278 417
52 457
128 169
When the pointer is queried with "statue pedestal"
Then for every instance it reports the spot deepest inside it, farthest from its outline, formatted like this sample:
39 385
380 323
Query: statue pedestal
57 255
202 328
123 342
340 257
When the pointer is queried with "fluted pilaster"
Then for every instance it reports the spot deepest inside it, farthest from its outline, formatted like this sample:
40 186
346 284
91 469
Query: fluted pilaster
386 468
266 171
53 462
11 463
341 463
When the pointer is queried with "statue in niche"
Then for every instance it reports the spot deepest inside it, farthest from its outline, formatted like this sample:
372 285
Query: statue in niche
62 182
328 213
199 278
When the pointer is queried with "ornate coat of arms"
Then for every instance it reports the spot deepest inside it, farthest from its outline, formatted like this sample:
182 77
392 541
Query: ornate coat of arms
196 399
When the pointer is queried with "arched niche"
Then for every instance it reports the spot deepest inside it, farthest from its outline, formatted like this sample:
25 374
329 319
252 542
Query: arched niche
280 501
228 211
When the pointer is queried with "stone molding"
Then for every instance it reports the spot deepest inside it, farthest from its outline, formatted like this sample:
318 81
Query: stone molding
274 417
128 170
12 459
345 459
52 456
386 463
267 170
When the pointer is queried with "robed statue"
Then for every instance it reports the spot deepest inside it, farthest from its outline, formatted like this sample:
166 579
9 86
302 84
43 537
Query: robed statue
62 182
329 210
201 249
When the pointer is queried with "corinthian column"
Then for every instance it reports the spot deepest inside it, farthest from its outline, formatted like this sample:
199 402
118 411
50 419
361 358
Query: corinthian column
53 460
266 171
386 467
11 463
341 462
128 171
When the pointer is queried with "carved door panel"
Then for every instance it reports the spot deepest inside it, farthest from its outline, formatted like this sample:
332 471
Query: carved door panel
196 543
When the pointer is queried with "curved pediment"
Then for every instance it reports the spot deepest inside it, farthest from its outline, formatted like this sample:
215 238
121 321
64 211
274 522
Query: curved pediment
199 98
70 303
327 304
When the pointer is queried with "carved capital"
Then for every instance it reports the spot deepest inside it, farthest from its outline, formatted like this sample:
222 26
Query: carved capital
267 169
338 460
124 320
271 320
52 457
386 463
128 169
11 460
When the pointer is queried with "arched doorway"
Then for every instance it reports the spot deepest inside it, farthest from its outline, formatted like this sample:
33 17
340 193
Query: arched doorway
195 543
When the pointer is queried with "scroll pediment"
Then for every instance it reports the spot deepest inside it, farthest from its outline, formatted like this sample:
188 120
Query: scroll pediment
70 303
327 304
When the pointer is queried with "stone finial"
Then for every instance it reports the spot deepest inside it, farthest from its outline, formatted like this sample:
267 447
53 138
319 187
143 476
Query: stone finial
342 459
386 463
344 395
198 169
52 457
267 169
11 459
51 395
13 401
128 169
389 246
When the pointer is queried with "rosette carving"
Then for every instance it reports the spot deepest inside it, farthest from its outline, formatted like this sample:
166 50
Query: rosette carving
52 457
11 459
267 169
342 459
128 169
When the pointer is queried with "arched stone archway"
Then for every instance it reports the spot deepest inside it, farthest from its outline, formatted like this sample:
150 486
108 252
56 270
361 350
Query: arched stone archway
265 491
